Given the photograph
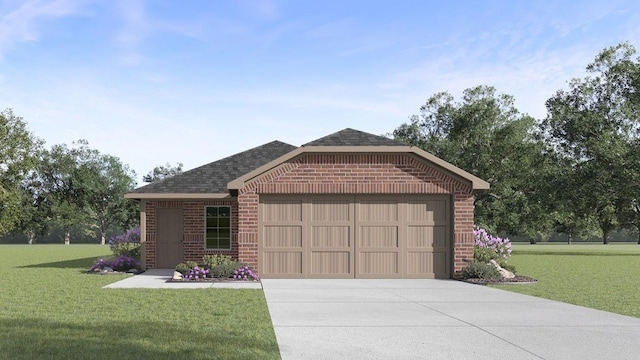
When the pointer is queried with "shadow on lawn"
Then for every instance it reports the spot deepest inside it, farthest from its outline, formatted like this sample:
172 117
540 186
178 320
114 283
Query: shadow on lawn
84 263
44 339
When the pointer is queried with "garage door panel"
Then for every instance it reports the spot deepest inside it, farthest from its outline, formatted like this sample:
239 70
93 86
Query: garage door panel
331 210
282 210
282 263
377 237
377 210
439 237
331 262
377 263
441 264
331 236
420 263
282 236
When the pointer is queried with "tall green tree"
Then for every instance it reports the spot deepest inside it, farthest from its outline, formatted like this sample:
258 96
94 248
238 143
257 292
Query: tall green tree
62 188
104 180
591 126
487 136
17 148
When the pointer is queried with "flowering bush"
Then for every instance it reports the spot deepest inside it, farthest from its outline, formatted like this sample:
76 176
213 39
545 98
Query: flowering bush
197 273
244 273
489 246
124 263
126 244
216 267
121 263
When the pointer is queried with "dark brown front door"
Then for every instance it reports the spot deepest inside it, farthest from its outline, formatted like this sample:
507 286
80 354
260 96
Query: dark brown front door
168 238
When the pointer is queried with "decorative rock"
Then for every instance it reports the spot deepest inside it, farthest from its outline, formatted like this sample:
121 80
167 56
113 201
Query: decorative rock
177 275
504 272
106 270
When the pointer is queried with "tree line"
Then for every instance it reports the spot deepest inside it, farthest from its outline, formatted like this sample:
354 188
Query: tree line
576 172
63 188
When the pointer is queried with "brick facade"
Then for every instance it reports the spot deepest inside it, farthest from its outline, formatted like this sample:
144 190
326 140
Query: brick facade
357 174
369 173
193 228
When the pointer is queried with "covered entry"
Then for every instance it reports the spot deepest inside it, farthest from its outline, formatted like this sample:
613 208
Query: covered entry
361 236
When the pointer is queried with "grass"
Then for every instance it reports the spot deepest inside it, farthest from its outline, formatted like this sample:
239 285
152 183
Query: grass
604 277
51 309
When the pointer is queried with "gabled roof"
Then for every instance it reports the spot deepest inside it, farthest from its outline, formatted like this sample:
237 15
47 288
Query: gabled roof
351 137
212 178
219 178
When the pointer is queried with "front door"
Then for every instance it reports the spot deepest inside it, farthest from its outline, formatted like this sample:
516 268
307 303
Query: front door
168 238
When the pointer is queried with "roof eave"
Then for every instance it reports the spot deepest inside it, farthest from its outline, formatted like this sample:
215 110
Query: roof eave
175 196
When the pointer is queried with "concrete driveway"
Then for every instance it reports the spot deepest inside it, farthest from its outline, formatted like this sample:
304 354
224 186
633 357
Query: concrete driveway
438 319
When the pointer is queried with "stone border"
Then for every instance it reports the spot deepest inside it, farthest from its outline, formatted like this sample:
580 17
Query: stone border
519 280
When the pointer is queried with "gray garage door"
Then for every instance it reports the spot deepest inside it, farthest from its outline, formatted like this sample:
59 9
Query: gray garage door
362 236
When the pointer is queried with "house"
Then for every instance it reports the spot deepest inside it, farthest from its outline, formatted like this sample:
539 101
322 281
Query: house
350 204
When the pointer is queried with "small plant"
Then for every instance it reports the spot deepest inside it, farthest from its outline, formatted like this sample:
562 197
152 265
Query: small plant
210 261
184 267
197 273
480 270
244 273
100 264
126 244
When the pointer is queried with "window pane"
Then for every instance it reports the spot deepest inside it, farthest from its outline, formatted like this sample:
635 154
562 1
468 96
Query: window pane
224 223
224 211
212 222
212 211
225 243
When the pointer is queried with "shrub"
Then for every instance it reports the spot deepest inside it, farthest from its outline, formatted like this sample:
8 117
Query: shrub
184 267
120 263
487 246
223 271
196 273
244 273
124 263
210 261
480 270
126 244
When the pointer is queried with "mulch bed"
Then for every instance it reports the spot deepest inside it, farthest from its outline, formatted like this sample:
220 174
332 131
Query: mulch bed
210 281
516 280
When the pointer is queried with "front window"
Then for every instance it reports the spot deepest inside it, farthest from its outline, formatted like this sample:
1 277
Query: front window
218 227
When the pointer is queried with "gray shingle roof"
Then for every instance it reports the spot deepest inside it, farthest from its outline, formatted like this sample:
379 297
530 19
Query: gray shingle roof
213 177
351 137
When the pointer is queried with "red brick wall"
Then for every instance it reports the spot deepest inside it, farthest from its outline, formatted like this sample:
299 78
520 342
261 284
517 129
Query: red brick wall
193 228
356 174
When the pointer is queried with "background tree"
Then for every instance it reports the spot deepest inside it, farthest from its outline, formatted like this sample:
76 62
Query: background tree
162 172
61 185
591 127
17 148
487 136
103 181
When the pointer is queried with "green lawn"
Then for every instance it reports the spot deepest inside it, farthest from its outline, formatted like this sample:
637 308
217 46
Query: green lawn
51 309
605 277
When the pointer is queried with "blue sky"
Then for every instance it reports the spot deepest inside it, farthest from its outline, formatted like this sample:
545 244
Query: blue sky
194 81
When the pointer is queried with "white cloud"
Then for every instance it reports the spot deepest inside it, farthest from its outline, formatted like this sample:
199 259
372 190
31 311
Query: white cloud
24 23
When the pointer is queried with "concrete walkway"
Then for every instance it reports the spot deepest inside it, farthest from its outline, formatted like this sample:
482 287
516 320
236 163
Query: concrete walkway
157 279
438 319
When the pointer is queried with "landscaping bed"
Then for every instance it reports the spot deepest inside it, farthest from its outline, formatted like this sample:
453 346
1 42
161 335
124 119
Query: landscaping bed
519 279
